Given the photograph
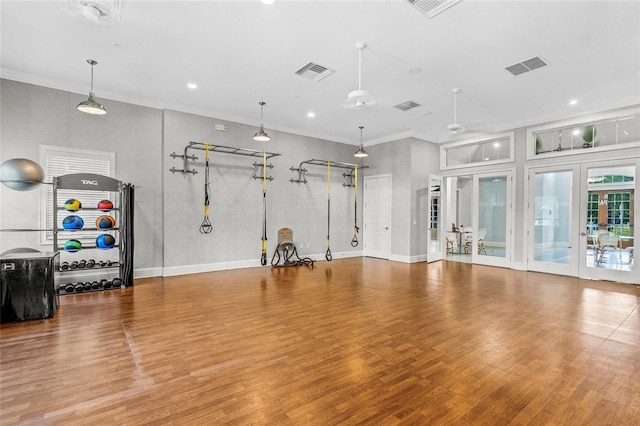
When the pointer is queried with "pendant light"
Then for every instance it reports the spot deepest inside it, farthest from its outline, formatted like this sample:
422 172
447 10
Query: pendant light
261 135
361 152
359 98
91 106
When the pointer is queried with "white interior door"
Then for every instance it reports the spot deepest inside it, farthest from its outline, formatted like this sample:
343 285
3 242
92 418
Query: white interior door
491 240
434 231
377 216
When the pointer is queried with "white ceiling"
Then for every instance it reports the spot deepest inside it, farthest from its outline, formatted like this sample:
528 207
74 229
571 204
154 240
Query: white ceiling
243 52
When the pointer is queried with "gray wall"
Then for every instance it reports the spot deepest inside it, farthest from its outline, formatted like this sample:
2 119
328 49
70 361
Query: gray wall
424 162
392 158
236 209
33 115
169 207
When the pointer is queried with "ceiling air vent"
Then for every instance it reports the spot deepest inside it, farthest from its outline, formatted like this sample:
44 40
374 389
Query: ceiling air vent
432 7
314 72
526 66
406 106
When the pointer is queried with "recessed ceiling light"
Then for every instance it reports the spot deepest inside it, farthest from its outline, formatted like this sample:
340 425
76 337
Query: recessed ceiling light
573 102
311 114
267 1
192 86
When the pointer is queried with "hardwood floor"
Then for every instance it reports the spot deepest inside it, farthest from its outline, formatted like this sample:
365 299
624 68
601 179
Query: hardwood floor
352 341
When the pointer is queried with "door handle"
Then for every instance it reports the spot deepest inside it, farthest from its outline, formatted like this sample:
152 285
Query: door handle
582 234
386 228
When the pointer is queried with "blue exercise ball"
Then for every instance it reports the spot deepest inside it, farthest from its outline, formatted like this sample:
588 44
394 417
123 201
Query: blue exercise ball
72 222
105 241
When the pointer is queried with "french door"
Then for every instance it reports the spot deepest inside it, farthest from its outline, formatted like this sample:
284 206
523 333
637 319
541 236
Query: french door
581 220
434 229
491 239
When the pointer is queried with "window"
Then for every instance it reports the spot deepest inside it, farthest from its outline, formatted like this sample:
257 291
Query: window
59 161
618 211
592 213
477 152
607 133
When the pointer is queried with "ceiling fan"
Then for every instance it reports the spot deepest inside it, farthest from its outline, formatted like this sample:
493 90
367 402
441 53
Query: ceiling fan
359 98
456 127
100 11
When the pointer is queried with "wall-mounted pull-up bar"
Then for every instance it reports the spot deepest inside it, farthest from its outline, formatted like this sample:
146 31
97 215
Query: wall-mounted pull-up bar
214 148
301 170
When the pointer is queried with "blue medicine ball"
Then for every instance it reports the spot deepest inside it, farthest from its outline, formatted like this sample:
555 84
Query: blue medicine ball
72 222
105 241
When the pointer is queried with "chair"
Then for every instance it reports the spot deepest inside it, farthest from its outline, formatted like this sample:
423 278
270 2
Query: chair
482 232
468 238
606 241
630 250
449 245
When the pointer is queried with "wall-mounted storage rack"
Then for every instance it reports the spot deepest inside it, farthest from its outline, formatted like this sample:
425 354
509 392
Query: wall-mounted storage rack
220 149
122 267
337 164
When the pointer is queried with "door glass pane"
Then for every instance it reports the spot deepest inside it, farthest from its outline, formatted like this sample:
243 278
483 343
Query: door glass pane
610 227
491 234
552 217
434 217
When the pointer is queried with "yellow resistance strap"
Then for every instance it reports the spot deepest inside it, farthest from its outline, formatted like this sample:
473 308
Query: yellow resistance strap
354 240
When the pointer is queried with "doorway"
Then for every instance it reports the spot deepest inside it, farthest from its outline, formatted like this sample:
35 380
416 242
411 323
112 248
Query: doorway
582 220
377 216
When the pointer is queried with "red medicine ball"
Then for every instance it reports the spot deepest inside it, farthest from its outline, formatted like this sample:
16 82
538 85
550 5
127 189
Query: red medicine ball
105 205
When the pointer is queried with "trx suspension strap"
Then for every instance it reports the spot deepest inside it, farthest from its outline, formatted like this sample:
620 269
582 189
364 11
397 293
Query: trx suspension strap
354 241
263 259
206 227
328 253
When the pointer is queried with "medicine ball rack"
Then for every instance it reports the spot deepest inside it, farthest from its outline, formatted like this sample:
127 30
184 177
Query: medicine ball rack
103 277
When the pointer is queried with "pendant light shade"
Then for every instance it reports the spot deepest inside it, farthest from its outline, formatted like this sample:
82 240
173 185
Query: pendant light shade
261 135
361 152
91 106
359 98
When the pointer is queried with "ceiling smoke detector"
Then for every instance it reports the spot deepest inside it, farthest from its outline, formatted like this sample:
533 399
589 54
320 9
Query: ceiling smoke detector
100 11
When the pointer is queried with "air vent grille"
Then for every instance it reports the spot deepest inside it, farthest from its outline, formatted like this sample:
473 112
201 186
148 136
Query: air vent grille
526 66
314 72
406 106
432 7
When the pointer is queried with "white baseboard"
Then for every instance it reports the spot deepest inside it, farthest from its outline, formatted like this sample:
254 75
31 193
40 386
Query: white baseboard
519 266
147 272
209 267
400 258
223 266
